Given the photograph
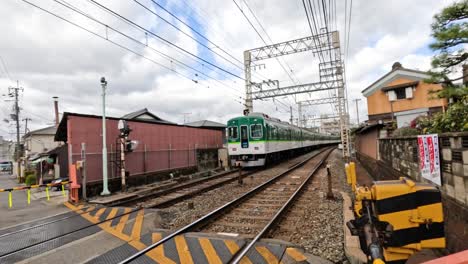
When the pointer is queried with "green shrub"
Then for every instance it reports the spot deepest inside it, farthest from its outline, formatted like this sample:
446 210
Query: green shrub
29 172
405 131
30 179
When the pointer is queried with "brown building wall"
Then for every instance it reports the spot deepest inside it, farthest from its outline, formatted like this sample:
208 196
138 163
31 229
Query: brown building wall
161 147
367 142
378 102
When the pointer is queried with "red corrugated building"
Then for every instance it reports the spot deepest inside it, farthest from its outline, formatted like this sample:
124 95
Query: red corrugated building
163 146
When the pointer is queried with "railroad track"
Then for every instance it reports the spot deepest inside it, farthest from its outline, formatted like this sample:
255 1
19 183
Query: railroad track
175 194
172 195
260 209
16 244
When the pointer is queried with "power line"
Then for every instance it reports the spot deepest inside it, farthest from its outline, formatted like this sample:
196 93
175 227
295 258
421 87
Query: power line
194 30
349 27
187 25
186 34
171 59
169 42
258 33
6 69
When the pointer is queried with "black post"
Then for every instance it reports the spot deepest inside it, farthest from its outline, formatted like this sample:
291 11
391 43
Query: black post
239 179
330 192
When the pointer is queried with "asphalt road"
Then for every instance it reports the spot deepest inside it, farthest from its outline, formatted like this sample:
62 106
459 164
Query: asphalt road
22 212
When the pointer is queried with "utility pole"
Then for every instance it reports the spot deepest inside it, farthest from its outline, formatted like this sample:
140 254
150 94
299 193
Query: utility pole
13 92
185 116
105 189
26 125
357 109
291 118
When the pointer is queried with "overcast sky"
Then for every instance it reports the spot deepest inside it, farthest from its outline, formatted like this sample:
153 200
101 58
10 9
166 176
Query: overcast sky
50 57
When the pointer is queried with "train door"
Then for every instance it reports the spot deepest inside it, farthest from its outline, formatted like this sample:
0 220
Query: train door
244 136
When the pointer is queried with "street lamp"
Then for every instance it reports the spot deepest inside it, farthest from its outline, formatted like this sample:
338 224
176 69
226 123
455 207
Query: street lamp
105 189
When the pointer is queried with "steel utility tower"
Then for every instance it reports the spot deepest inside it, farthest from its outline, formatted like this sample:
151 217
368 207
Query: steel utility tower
331 74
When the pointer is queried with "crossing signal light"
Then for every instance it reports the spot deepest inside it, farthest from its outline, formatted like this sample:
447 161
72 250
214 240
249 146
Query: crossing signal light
130 145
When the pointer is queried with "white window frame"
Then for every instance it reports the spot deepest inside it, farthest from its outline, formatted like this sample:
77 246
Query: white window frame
237 132
261 131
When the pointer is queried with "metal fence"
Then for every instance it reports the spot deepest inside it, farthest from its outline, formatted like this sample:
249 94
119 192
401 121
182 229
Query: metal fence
144 161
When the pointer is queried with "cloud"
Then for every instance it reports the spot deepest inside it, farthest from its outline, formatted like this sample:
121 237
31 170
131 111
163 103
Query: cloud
52 58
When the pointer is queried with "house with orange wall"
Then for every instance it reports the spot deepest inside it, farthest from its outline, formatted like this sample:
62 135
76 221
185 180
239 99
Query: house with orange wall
401 95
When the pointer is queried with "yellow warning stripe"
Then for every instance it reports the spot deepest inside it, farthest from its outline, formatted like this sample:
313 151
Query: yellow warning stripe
99 213
267 255
157 253
111 215
210 252
183 249
123 220
295 254
233 248
136 231
19 188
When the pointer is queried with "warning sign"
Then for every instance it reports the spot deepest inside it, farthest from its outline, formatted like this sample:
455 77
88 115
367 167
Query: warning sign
429 158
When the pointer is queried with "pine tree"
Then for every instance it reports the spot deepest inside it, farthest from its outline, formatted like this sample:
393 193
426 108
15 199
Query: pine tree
450 32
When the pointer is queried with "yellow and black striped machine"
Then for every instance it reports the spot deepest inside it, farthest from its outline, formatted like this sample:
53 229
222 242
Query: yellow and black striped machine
395 219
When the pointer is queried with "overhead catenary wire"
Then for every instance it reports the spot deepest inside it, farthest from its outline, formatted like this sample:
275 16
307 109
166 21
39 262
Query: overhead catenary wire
199 33
288 71
195 31
170 43
164 40
171 59
191 28
6 69
113 42
260 36
109 40
349 28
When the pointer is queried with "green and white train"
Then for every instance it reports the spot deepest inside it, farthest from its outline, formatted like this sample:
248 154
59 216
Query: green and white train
258 139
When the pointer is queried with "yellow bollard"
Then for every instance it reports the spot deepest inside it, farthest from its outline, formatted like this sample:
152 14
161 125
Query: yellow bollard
348 174
352 170
29 196
10 200
63 190
47 193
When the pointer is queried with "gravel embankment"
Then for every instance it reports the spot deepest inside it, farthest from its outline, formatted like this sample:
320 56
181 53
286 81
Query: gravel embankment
315 222
179 215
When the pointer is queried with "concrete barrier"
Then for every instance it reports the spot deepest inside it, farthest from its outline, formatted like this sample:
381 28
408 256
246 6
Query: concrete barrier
352 246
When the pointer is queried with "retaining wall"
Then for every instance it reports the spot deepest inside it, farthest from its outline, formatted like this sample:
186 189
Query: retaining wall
399 158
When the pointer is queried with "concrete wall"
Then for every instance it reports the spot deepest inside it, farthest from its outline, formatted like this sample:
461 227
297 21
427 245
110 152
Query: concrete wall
37 143
367 143
399 157
378 102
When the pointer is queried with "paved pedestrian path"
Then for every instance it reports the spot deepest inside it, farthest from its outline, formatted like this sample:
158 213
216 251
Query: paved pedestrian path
22 212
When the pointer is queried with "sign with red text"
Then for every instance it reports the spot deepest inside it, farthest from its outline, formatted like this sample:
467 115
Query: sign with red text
429 158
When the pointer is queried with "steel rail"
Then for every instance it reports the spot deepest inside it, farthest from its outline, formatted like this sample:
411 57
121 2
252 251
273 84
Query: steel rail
245 249
66 234
45 223
215 213
113 204
182 186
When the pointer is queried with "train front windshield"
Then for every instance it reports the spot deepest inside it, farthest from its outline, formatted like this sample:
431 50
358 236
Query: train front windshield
244 137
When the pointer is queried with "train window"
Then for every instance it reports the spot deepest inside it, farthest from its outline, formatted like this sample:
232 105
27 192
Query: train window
256 131
244 134
232 131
